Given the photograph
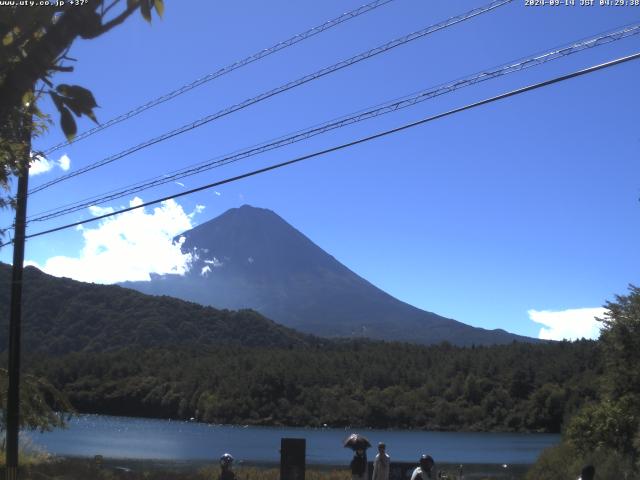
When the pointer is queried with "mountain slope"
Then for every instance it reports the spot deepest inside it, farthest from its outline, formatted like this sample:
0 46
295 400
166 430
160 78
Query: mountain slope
62 315
251 258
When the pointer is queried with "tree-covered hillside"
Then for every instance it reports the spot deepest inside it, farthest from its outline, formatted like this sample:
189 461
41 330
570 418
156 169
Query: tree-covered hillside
117 351
518 387
62 316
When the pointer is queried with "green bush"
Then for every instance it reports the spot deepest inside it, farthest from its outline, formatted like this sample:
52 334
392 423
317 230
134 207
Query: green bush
565 462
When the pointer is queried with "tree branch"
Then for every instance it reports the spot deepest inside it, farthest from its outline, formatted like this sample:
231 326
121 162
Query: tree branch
41 58
114 22
45 51
106 10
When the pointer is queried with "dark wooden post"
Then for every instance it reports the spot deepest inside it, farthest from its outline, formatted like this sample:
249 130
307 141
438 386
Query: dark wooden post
13 394
292 458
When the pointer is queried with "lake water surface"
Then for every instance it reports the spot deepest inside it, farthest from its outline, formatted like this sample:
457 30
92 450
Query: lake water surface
127 438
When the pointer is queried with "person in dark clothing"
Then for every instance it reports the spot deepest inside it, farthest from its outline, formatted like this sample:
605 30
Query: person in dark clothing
359 467
225 467
588 473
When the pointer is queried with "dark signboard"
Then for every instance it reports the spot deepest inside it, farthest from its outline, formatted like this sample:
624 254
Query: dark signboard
292 458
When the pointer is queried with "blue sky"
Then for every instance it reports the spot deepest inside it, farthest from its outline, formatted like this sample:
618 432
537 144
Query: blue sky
529 204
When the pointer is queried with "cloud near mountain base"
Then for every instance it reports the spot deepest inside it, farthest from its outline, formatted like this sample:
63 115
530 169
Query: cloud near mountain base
570 324
129 246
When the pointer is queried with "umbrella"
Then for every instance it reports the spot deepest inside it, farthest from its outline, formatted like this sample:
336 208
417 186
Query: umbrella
355 441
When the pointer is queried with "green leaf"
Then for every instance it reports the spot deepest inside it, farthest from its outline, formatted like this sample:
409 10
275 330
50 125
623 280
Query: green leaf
28 98
57 101
38 113
145 10
7 39
81 94
75 98
159 4
78 109
74 106
10 36
92 116
91 25
68 124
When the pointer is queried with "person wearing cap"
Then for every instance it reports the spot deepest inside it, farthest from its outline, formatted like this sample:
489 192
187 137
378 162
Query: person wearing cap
225 467
381 464
423 471
588 473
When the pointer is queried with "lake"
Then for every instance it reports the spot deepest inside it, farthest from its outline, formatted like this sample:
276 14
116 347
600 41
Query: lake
128 438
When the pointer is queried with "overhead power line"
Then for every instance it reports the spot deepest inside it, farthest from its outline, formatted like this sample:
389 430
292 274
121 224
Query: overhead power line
502 96
388 107
283 88
224 70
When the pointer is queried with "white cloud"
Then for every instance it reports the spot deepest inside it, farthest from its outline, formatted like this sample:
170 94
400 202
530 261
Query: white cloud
179 183
570 324
97 211
64 162
217 193
206 270
198 209
215 263
40 164
129 246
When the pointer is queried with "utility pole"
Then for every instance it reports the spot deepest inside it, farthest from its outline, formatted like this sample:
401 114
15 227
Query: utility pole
13 395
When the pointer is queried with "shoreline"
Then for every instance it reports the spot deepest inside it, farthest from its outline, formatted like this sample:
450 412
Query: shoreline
138 465
152 444
262 424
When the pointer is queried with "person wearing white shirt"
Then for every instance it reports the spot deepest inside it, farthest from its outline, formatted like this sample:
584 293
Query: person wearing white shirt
381 464
423 472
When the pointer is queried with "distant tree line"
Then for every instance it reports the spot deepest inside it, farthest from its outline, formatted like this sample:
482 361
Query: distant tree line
114 350
518 387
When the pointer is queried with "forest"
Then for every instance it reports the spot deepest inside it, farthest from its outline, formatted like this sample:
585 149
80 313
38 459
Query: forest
110 350
61 316
116 351
517 387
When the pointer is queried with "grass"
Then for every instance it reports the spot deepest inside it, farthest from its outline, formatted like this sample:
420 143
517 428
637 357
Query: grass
40 466
77 469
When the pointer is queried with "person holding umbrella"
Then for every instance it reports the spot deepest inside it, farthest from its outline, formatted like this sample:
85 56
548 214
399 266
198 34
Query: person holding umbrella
359 467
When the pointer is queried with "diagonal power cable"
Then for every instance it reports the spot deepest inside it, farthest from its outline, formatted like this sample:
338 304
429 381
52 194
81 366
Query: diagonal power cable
223 71
388 107
496 98
283 88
